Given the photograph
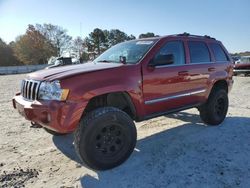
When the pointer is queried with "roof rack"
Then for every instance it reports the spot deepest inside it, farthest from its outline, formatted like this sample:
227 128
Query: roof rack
198 36
184 34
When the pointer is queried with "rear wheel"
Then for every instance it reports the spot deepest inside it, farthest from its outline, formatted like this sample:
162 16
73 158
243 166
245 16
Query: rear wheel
105 138
214 111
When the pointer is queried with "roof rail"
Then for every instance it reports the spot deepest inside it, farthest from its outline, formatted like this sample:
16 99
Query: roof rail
184 34
207 36
189 35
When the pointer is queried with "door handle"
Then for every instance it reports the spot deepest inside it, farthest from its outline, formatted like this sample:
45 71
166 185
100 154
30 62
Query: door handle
211 69
183 73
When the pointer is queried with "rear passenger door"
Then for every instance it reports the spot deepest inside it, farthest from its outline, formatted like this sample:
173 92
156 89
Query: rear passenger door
224 66
200 67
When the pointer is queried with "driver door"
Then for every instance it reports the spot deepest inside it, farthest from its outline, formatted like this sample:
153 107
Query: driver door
164 85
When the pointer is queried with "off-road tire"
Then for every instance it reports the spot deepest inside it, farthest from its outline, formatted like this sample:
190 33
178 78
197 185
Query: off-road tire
214 111
54 132
105 138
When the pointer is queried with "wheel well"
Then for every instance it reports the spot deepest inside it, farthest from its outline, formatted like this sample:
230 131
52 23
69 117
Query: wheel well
120 100
221 84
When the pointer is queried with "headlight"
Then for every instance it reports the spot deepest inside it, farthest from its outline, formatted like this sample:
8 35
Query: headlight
52 91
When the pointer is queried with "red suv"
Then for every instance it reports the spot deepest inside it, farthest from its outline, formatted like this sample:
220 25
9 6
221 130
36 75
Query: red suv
132 81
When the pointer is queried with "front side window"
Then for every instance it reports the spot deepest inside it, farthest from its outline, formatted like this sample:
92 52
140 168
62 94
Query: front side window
219 53
198 52
174 48
133 51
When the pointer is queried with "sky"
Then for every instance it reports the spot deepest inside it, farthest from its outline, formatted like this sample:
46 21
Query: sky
226 20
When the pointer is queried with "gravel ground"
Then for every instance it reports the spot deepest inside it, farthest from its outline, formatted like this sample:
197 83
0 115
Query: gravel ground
176 150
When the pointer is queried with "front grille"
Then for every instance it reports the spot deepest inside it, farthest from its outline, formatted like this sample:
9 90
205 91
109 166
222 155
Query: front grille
29 89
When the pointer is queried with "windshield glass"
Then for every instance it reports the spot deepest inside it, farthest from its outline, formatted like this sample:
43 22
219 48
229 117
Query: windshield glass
133 51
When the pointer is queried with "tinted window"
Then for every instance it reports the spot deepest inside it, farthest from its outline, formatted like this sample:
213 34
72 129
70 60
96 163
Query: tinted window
218 52
176 49
198 52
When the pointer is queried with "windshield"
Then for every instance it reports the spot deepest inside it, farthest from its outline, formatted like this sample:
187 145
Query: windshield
133 51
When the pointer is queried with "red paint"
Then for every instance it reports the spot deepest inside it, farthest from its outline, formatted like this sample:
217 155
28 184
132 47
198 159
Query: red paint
141 82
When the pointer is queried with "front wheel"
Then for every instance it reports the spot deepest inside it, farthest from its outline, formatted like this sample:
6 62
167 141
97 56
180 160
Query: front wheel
105 138
214 111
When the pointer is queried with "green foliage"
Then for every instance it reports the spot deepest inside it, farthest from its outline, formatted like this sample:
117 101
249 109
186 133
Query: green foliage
6 55
42 41
33 47
116 36
84 57
56 35
147 35
247 53
97 39
100 40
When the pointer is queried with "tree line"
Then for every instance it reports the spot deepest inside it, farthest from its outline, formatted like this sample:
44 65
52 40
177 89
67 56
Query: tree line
42 41
246 53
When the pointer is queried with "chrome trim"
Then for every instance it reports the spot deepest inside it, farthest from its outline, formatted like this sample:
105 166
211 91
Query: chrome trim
241 70
25 89
165 66
174 97
22 86
29 89
36 91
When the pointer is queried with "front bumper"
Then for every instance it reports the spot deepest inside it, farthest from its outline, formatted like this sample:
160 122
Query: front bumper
59 116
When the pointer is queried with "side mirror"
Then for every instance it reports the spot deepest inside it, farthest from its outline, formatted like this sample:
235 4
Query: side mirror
123 59
162 60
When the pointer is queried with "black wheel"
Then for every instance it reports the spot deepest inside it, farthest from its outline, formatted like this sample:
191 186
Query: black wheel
54 132
214 111
105 138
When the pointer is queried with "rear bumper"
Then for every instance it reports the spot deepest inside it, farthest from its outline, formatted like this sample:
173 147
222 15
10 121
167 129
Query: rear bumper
62 117
243 71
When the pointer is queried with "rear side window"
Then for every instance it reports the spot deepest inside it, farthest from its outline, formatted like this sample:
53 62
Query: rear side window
198 52
176 49
218 52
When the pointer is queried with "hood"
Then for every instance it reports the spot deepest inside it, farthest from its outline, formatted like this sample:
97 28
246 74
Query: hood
70 70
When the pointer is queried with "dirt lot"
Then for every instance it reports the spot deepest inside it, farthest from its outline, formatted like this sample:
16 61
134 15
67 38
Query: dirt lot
177 150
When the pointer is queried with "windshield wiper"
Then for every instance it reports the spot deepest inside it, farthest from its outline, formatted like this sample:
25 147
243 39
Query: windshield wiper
122 60
106 61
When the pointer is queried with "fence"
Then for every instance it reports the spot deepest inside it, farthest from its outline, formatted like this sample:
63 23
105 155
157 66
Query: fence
21 69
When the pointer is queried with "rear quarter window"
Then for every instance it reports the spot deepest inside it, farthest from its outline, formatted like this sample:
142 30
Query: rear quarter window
199 52
219 53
